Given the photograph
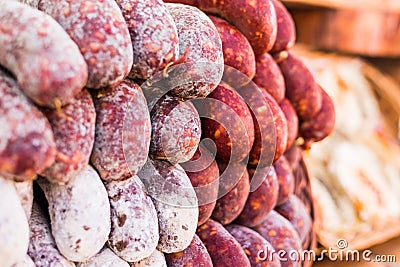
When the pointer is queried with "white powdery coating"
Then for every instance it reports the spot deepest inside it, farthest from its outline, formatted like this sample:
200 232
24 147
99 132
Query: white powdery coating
176 203
156 259
25 194
20 119
100 31
25 262
79 214
153 34
42 247
73 127
14 228
35 48
134 224
123 132
175 133
198 33
105 258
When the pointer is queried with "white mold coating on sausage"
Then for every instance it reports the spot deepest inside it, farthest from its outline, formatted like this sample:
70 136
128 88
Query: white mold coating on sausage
25 194
134 224
105 258
48 65
101 33
42 247
176 203
73 127
79 214
123 131
25 262
26 140
14 228
153 34
156 259
198 34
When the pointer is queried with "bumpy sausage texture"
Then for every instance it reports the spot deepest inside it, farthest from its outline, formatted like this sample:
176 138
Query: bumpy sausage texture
79 213
234 188
153 34
175 201
156 259
226 119
201 47
195 252
262 200
123 131
237 52
73 128
176 130
46 62
134 225
42 247
26 142
255 19
223 248
203 172
101 33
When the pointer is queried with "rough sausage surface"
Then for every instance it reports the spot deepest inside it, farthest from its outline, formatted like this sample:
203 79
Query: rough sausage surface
223 248
175 201
199 38
123 131
134 228
26 141
153 34
105 258
73 128
79 214
101 33
269 77
255 19
42 247
46 62
226 119
236 48
176 130
196 253
156 259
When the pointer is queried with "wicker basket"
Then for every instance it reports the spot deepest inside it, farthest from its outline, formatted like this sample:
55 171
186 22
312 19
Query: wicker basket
380 138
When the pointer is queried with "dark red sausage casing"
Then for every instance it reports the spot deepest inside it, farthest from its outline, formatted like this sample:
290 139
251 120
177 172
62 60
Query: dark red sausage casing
27 144
223 248
73 127
123 131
